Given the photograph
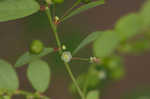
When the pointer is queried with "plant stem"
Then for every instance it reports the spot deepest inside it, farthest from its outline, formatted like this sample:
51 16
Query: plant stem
60 52
54 29
69 10
74 80
81 59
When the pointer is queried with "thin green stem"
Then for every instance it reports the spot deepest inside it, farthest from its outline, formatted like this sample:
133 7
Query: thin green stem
74 81
69 10
81 59
53 26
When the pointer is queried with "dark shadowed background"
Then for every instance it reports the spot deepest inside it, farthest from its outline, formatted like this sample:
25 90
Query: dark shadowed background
15 37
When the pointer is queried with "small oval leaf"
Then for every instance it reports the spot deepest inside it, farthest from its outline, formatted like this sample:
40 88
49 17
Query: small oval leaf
28 57
39 75
14 9
8 76
90 38
129 26
84 8
106 44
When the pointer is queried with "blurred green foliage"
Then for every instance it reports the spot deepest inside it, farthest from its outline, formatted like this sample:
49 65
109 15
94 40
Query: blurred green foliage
110 44
108 64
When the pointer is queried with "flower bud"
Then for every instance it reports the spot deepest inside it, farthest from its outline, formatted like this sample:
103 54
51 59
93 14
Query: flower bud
94 60
56 20
64 47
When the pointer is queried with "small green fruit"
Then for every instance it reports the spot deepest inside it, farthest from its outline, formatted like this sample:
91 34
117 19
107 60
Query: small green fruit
36 47
58 1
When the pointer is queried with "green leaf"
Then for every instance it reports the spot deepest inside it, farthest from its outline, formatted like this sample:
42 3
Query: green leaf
136 47
128 26
106 44
14 9
8 76
90 38
39 75
145 15
28 57
84 8
93 95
